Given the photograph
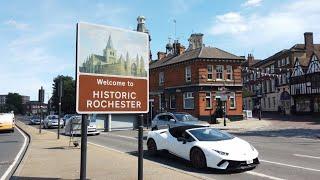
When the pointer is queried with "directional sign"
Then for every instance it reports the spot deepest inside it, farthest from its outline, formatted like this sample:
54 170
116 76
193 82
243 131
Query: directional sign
112 70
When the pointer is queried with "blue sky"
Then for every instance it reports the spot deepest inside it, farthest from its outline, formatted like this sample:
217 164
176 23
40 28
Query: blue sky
37 38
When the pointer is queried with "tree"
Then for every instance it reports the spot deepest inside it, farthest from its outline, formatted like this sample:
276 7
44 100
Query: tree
68 101
14 103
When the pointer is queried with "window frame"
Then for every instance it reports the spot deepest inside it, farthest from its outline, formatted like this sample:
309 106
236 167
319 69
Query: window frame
161 78
232 96
188 73
229 68
210 73
188 95
210 100
217 73
175 100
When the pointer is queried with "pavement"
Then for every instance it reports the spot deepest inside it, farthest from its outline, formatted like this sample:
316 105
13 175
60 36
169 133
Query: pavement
49 158
244 125
11 144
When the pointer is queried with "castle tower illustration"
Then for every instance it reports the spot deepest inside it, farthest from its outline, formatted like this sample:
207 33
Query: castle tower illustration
110 63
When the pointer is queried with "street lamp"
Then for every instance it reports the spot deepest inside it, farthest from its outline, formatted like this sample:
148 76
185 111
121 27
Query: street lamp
259 95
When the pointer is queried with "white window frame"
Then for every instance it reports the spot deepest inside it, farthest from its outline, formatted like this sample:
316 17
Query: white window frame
188 73
173 95
210 72
279 63
229 72
287 60
161 78
186 96
272 68
219 67
208 96
232 98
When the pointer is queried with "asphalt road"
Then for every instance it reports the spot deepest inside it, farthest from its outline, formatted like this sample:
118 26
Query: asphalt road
10 145
281 157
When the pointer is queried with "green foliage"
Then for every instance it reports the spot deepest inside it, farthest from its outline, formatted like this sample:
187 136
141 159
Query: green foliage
68 101
14 103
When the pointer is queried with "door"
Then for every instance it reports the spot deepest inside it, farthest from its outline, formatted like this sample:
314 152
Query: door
180 148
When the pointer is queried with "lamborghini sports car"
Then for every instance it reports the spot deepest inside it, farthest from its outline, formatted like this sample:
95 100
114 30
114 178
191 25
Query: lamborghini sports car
204 147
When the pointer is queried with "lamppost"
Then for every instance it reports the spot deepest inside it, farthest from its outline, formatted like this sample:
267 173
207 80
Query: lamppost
259 95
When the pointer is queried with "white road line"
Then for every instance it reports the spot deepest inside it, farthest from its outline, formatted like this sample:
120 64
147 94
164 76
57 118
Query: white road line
289 165
307 156
105 147
116 135
5 175
263 175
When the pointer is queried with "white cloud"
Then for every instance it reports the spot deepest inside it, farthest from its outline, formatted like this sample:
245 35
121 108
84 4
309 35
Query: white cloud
252 3
269 29
183 6
17 25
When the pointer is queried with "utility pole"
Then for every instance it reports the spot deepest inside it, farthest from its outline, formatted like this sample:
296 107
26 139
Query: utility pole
60 95
40 100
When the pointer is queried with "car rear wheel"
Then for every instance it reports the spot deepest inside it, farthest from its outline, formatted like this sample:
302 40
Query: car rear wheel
198 159
152 147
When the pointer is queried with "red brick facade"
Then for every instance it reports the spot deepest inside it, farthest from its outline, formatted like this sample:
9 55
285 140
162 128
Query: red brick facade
175 84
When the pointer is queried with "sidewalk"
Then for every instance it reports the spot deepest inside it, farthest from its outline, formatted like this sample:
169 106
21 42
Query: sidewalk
50 158
244 125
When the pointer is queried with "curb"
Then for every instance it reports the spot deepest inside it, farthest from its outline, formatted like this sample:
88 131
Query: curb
16 166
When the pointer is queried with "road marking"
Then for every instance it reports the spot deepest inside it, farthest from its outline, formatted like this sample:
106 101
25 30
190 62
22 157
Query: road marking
307 156
6 174
263 175
105 147
127 137
289 165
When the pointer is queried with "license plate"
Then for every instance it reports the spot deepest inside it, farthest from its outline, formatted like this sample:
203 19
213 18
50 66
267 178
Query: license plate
250 161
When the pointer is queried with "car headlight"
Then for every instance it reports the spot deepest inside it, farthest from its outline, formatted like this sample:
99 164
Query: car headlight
222 153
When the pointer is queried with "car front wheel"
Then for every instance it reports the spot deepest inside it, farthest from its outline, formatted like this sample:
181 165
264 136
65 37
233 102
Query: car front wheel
198 159
152 147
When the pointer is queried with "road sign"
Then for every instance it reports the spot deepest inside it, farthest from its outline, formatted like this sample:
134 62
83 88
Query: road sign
112 70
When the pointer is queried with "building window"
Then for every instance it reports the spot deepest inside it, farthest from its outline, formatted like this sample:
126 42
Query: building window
219 70
288 76
272 69
279 63
284 78
229 72
232 100
273 85
161 78
210 72
172 102
208 100
269 103
274 101
188 100
188 73
283 62
287 60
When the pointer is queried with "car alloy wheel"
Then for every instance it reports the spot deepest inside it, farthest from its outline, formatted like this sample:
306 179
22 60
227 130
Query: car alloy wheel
198 158
152 147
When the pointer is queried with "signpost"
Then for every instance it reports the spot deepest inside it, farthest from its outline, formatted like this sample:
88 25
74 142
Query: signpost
112 77
60 90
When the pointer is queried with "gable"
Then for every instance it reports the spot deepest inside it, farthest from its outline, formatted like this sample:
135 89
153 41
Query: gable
297 71
314 65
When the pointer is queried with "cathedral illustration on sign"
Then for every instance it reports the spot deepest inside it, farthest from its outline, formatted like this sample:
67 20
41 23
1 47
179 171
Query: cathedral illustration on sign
110 63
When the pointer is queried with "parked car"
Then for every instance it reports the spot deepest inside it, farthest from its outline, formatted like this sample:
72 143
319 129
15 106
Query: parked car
73 126
204 147
168 120
51 121
34 120
7 122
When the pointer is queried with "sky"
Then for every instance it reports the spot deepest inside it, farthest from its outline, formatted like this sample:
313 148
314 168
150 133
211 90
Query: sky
37 37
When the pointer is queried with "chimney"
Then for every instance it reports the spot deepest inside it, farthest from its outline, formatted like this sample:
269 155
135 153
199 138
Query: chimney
161 55
250 60
308 42
195 41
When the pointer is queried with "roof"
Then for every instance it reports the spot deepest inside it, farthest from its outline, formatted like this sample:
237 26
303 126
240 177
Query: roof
203 52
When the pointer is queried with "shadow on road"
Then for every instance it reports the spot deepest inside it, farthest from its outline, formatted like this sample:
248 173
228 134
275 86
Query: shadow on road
288 133
170 160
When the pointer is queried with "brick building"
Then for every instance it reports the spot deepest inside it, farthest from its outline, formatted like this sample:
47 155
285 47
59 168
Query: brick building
186 80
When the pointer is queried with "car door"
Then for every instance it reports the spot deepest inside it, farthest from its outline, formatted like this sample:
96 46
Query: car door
181 148
162 122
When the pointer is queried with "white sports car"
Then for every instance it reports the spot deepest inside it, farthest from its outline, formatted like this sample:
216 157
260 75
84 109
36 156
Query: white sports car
204 147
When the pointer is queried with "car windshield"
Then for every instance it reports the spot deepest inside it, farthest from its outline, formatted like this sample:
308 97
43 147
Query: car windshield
210 134
185 117
53 117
